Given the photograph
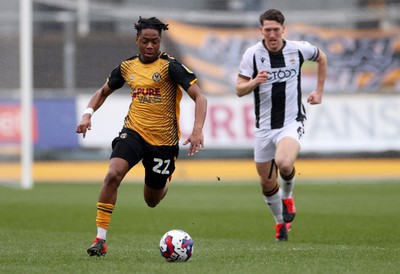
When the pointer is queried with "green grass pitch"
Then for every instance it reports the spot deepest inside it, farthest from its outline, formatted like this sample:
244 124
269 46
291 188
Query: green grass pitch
340 227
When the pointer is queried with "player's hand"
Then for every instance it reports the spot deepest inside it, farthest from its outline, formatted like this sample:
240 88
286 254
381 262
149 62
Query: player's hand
261 77
315 98
196 140
84 125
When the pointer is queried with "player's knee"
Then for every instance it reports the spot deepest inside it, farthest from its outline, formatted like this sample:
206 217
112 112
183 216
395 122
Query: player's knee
113 178
154 197
285 166
151 202
268 184
269 187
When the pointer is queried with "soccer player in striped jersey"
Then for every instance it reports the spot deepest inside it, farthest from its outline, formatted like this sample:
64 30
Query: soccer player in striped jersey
271 71
151 128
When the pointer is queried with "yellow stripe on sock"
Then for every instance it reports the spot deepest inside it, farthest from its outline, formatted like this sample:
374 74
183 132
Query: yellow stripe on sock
104 212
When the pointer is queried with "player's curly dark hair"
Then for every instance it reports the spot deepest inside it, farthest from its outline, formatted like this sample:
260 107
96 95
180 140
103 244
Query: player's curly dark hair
272 15
150 23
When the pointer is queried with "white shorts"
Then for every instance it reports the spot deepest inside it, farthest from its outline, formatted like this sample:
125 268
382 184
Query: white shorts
266 140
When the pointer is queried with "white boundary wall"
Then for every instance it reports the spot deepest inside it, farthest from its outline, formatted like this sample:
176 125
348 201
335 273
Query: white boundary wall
342 123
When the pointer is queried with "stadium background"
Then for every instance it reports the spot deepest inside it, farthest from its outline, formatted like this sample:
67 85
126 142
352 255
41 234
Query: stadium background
354 134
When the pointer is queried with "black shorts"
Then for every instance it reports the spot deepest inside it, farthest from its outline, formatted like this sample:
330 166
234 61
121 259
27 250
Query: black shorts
158 161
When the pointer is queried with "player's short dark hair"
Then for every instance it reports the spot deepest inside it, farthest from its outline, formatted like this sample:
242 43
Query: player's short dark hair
272 15
150 23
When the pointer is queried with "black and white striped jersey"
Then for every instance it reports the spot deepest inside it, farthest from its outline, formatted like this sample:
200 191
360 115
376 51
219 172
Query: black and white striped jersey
278 101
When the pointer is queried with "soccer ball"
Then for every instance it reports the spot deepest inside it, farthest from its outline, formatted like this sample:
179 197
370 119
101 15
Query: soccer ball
176 246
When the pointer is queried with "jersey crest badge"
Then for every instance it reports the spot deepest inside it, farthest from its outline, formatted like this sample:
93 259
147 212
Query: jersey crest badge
292 60
156 77
300 132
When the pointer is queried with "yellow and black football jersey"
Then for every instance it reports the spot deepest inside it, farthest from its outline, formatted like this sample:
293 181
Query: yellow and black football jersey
156 95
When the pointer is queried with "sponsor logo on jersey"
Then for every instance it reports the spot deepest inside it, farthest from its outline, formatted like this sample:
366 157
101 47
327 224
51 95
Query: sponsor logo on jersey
281 74
146 95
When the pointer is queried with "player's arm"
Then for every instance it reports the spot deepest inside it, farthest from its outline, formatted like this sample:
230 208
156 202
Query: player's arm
245 85
95 102
196 138
315 96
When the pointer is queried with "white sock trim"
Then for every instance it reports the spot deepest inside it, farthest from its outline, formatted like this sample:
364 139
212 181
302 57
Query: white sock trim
274 203
101 233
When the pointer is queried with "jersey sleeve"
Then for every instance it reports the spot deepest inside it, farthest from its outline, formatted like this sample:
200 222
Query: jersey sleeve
115 80
246 67
182 75
310 52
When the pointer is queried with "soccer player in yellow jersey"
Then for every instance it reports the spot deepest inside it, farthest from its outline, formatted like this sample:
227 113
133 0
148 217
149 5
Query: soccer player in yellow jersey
151 128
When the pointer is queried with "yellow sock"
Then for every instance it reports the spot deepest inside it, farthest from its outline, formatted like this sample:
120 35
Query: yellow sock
104 212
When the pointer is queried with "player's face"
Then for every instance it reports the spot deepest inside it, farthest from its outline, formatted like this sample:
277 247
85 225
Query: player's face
273 33
148 41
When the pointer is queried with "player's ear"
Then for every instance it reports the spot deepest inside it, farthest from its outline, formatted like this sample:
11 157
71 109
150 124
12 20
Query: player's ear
260 28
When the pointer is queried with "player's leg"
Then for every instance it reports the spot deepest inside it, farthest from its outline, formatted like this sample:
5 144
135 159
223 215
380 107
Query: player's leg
117 170
273 197
105 206
159 164
287 150
264 150
286 153
126 153
108 194
270 188
153 196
